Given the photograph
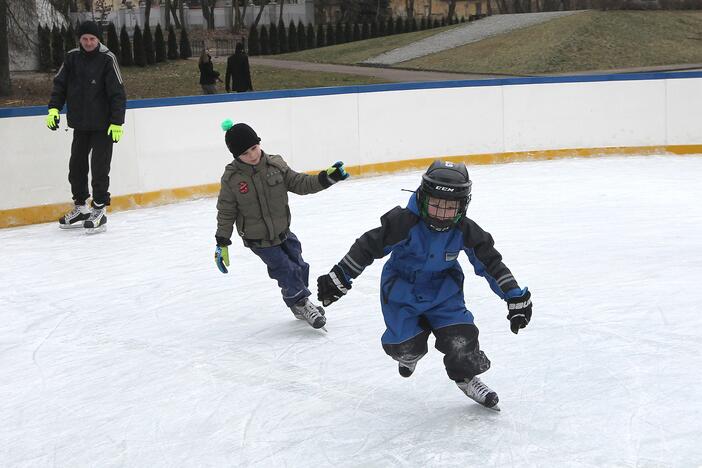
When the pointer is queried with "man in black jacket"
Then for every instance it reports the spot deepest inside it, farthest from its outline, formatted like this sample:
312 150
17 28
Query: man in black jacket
238 75
90 84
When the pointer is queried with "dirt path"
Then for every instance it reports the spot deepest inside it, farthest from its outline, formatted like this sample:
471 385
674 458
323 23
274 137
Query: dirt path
401 76
388 74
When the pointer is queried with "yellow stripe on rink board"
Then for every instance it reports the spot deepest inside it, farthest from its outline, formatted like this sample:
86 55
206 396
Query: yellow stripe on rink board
48 213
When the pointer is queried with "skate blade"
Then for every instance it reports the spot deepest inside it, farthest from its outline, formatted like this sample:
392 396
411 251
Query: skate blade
324 328
68 227
495 408
97 230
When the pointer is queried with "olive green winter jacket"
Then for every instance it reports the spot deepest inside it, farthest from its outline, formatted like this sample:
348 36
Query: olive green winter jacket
255 198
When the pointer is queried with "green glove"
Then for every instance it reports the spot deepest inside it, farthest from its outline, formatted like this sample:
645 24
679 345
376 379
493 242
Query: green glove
222 258
337 172
53 119
115 131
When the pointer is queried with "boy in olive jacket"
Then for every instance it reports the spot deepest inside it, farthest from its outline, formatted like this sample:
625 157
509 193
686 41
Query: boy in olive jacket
254 197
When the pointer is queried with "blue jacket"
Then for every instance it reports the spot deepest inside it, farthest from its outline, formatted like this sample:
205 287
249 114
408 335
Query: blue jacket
420 255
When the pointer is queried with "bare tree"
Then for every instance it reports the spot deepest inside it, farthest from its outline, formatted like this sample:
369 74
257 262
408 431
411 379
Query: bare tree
5 83
239 15
147 12
451 9
208 7
409 8
171 10
102 8
262 5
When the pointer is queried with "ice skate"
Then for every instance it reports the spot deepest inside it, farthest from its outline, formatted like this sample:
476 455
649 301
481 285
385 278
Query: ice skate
299 316
97 221
476 390
406 368
75 217
311 313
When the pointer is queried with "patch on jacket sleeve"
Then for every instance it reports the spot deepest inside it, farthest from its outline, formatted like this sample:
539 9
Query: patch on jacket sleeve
451 256
243 187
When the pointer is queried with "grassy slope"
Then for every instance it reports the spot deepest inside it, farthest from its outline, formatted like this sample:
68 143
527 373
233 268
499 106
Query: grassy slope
180 78
591 40
356 52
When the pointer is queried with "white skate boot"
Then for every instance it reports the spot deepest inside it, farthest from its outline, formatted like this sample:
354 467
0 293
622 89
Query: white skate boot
75 217
476 390
97 220
311 313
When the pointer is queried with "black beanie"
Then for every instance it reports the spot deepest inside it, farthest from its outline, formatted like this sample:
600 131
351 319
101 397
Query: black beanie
89 27
239 138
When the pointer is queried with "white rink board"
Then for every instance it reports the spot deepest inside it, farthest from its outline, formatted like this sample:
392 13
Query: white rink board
183 146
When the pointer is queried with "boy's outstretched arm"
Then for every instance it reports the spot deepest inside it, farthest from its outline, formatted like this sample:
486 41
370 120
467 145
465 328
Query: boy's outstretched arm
226 218
376 243
487 262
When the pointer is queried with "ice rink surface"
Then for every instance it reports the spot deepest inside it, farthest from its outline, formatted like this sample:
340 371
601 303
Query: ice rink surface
129 348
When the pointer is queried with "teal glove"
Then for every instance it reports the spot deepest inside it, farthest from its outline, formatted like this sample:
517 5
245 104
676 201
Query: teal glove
53 119
115 131
337 172
222 258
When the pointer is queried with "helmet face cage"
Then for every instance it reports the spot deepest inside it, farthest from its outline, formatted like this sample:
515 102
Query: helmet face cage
444 195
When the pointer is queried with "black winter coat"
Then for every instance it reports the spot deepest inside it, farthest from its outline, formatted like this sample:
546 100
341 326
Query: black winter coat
208 75
238 75
90 84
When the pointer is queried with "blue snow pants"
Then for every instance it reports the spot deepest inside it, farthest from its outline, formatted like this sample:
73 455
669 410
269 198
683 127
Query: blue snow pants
432 302
286 266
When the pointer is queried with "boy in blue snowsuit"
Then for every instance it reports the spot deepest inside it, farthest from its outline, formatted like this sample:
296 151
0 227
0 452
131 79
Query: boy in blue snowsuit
421 287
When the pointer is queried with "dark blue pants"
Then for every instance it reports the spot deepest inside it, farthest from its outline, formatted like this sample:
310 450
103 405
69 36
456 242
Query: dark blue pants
286 266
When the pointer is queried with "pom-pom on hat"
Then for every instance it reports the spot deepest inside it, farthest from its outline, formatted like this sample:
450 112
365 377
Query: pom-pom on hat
88 27
239 137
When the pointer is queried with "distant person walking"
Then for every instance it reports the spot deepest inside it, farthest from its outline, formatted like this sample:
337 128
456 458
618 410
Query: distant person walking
238 75
208 75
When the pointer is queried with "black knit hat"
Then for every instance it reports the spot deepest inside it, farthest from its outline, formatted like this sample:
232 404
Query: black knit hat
89 27
239 138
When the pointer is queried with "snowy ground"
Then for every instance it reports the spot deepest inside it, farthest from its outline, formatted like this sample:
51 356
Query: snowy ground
129 348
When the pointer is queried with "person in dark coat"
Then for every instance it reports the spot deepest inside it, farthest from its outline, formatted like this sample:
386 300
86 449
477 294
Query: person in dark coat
90 84
238 75
208 75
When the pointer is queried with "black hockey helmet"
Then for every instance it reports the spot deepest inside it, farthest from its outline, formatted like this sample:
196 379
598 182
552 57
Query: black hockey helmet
443 184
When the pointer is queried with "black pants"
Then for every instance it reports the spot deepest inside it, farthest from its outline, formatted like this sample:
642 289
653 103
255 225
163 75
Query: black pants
463 358
101 145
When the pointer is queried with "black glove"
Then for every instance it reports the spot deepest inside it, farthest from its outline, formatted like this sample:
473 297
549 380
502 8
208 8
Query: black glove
519 311
332 286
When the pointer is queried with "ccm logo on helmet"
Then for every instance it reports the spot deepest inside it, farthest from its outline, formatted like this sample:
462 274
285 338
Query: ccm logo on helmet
445 189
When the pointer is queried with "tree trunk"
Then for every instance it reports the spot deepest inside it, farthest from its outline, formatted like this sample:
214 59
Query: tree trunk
260 13
280 14
147 12
208 13
5 84
243 14
171 10
239 15
236 24
451 10
181 10
409 7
